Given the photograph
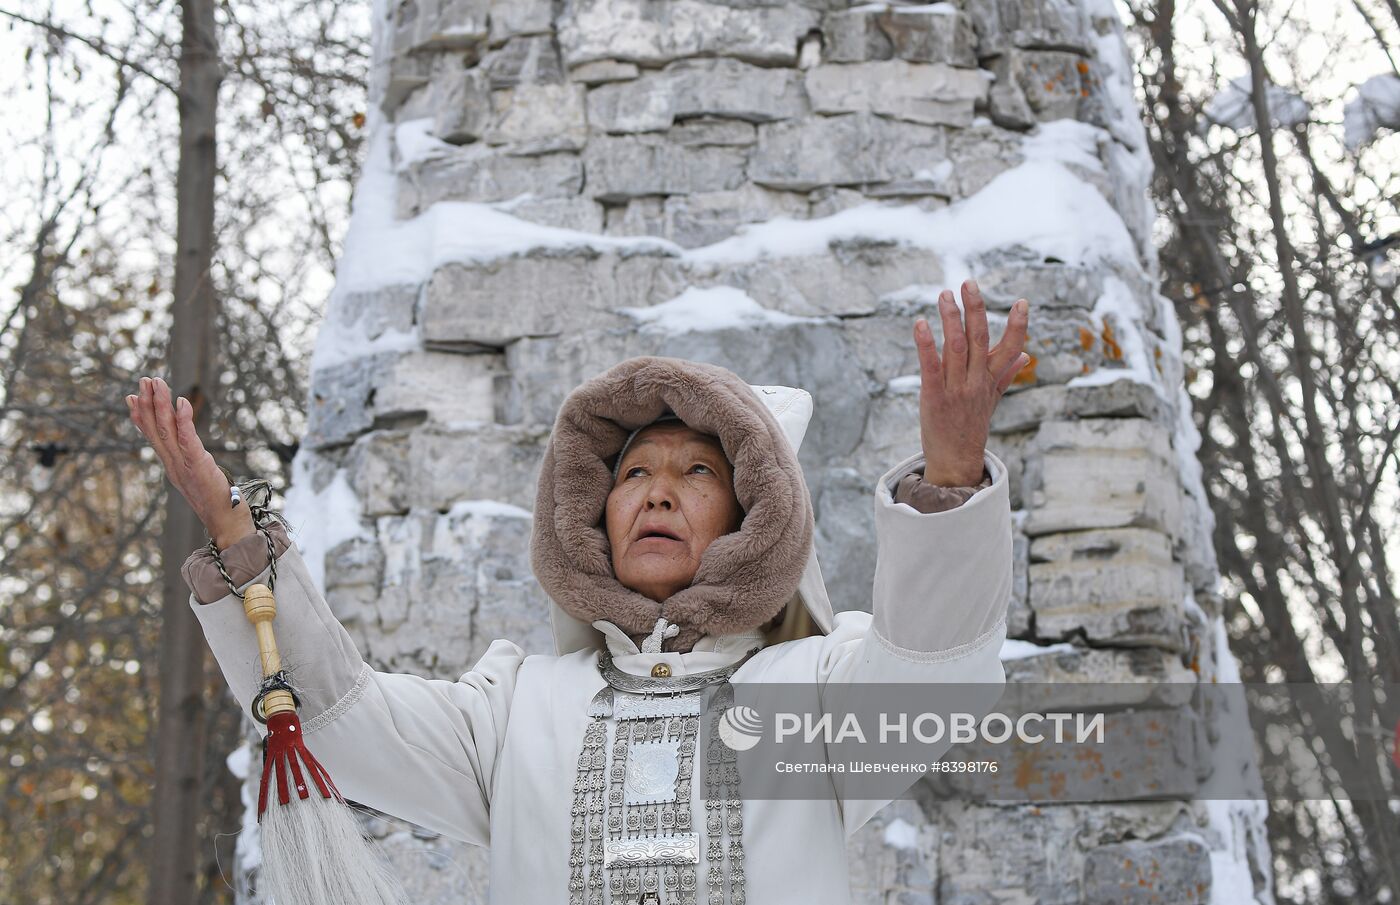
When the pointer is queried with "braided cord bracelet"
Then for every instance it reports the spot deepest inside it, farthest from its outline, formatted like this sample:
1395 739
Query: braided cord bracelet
278 681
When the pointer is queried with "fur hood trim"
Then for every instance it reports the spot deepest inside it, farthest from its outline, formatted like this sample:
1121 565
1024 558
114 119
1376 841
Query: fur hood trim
745 578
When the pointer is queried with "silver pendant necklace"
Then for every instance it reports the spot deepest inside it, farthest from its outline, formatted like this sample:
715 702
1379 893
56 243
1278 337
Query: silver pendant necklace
631 830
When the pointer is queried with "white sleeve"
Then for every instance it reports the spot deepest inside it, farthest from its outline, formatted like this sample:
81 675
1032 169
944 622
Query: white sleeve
939 603
424 750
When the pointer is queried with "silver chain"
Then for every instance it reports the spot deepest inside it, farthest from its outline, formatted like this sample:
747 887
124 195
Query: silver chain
261 516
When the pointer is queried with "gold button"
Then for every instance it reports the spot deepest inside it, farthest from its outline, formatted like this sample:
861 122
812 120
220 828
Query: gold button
660 671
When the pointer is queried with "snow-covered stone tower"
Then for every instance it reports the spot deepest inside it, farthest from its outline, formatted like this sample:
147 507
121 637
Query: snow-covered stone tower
780 187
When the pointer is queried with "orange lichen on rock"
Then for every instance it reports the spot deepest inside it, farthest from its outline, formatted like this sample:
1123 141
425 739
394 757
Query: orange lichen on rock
1111 349
1083 67
1025 376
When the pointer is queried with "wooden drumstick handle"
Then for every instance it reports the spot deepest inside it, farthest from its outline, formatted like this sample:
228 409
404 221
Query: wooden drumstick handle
261 608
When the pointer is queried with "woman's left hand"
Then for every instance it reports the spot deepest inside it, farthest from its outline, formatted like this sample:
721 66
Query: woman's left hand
958 395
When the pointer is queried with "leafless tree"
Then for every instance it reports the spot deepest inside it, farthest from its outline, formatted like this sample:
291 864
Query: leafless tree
88 243
1274 254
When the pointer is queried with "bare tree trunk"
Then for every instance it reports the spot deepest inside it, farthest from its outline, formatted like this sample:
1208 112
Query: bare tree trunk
180 737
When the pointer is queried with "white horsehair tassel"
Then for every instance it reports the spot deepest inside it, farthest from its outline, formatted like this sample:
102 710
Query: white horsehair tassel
664 629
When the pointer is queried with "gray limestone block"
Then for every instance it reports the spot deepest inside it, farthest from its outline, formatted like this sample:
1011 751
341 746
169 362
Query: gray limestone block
354 571
448 387
980 154
842 500
600 72
890 433
577 213
355 396
1145 754
814 356
707 217
432 467
514 18
1008 107
534 119
374 313
638 217
1102 473
1047 24
991 854
850 280
1063 343
924 33
884 342
621 168
1018 614
341 397
1176 870
405 75
712 130
855 35
692 88
655 32
931 33
930 93
1052 85
1118 585
543 369
441 25
1120 677
528 60
479 173
504 299
1028 407
479 552
850 149
1011 449
894 857
828 200
1003 278
461 101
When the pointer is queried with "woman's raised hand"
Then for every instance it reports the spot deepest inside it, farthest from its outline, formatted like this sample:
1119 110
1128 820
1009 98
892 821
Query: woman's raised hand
958 394
189 466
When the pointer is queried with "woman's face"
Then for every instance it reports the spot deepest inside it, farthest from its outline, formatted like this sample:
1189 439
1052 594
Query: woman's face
674 481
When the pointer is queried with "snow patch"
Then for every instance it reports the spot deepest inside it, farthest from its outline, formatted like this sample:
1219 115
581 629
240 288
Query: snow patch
900 833
416 143
905 383
1067 141
321 521
1233 106
1012 649
1040 205
940 9
487 508
711 308
1376 106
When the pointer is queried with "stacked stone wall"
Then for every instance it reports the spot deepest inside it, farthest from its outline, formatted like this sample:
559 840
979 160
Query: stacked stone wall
555 186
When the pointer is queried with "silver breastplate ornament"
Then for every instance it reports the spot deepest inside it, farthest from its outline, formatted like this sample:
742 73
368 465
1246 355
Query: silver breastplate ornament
633 840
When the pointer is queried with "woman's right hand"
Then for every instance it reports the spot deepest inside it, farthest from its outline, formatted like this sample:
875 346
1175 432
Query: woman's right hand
189 466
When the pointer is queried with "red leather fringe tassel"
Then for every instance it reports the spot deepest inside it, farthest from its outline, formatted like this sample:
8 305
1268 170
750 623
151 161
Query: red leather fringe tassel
282 749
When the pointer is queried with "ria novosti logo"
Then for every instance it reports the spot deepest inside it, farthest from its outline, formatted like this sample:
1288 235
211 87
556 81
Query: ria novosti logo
740 728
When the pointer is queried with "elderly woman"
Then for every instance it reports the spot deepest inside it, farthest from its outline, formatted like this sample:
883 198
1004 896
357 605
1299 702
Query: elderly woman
673 533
